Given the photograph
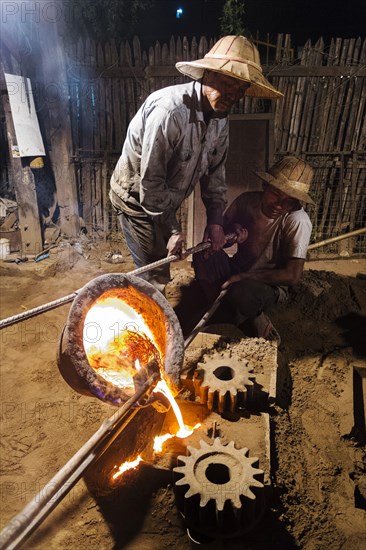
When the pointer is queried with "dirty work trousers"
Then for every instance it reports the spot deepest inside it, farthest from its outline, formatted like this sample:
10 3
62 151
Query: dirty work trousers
146 240
245 299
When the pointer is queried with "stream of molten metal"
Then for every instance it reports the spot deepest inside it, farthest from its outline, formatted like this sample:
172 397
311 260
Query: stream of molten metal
183 431
117 341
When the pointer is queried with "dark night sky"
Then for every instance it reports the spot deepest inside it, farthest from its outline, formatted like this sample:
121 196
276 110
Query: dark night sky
301 18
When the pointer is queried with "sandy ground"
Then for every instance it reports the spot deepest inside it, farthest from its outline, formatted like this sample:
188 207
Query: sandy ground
318 471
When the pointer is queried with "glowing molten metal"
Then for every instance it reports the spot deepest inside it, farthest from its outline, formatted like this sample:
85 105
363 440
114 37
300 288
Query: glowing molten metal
127 466
117 340
183 431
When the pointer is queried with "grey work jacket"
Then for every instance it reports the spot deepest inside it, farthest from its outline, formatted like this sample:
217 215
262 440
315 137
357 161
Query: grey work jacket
167 151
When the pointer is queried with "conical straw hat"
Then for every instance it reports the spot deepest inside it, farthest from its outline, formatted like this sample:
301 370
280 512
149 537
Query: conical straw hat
291 175
234 56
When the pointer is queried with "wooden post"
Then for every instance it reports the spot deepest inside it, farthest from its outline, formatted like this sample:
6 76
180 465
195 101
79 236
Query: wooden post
22 180
55 78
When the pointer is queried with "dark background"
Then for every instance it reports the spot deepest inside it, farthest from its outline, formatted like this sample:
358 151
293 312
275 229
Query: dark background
302 19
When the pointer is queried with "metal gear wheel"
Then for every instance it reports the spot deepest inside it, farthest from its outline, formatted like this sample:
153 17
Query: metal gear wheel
223 381
219 491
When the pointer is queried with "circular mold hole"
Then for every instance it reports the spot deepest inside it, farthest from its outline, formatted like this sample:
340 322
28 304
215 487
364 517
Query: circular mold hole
224 373
218 473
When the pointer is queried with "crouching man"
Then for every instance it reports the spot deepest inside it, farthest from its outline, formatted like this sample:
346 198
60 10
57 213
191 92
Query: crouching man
272 232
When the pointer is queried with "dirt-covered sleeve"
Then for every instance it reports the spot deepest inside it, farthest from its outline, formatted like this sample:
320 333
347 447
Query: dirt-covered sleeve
162 131
213 183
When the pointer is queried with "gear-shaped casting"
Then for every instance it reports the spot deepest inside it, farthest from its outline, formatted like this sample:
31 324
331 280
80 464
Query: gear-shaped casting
220 490
224 381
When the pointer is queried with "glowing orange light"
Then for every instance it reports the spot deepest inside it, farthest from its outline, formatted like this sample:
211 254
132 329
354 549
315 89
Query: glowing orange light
117 341
159 440
183 431
163 388
127 466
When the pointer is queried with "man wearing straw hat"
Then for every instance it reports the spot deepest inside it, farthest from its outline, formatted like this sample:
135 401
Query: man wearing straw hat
179 137
272 235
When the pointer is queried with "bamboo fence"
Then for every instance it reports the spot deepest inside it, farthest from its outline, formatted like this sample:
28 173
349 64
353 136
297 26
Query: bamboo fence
321 118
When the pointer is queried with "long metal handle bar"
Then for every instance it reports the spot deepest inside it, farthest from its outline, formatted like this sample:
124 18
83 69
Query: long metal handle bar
70 297
32 515
218 300
205 318
199 248
26 522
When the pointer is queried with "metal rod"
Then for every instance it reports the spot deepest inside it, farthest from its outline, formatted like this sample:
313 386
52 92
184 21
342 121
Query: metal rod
33 514
218 300
65 488
36 311
205 318
337 238
70 297
24 523
138 271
